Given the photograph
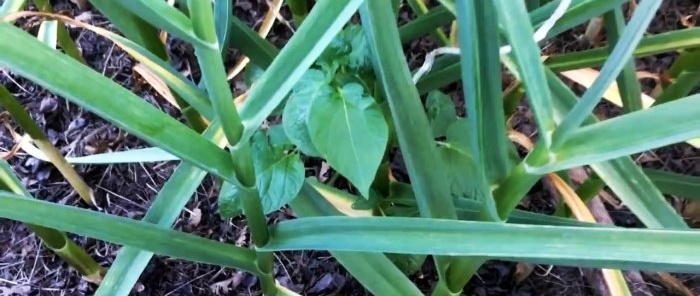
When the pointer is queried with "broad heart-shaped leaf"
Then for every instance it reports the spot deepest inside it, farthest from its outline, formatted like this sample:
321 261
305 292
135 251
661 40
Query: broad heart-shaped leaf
441 112
350 131
313 84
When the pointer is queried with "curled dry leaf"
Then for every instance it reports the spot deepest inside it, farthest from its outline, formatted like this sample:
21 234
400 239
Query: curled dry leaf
157 83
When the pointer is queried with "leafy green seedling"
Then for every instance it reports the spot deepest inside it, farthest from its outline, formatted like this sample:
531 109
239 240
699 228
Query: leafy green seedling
278 178
332 114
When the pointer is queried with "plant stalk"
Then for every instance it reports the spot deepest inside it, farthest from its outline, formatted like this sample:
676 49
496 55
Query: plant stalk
213 71
42 141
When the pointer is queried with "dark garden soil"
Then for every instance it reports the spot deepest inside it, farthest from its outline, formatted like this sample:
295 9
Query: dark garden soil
27 268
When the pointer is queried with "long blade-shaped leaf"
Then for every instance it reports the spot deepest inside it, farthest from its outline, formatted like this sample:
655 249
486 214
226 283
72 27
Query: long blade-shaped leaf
650 45
166 17
222 22
319 28
615 247
622 175
513 15
213 72
420 9
411 124
125 231
425 23
27 57
580 12
637 191
412 127
55 240
477 21
374 270
629 39
481 75
630 89
11 6
675 184
25 121
666 124
260 51
132 26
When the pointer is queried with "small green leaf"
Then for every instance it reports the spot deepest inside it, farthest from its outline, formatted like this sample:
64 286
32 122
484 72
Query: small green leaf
278 137
460 168
457 134
441 112
369 203
263 155
350 131
277 185
358 59
229 201
281 182
349 48
408 264
312 85
401 201
279 177
335 55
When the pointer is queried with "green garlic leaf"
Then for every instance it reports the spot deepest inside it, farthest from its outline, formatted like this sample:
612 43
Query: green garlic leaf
349 130
312 86
441 112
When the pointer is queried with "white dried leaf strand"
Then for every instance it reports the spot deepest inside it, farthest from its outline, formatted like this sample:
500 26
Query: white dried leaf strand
539 35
